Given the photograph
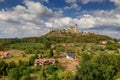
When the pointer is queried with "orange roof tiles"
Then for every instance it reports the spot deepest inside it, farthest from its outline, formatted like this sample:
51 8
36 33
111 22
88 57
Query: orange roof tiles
3 53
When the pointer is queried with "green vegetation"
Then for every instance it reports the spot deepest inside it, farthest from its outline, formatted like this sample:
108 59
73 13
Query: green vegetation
101 67
97 61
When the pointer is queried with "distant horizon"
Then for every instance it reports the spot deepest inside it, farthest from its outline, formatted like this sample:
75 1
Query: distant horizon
53 30
29 18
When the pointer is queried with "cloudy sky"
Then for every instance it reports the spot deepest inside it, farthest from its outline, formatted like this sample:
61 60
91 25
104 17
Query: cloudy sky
25 18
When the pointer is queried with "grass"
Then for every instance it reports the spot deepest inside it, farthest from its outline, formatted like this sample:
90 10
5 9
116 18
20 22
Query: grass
23 46
4 78
16 56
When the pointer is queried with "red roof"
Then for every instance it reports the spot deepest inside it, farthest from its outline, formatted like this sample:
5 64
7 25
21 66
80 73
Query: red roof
3 53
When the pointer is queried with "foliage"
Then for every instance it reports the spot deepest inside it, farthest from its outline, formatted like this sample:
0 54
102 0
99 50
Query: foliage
102 67
112 46
51 53
3 68
42 75
67 75
14 74
20 72
32 58
44 42
25 77
85 57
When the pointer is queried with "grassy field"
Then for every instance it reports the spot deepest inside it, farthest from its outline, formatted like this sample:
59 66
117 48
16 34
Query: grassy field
4 78
16 56
23 46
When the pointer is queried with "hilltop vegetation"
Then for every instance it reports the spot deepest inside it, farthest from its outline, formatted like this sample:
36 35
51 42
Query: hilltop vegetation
97 61
51 38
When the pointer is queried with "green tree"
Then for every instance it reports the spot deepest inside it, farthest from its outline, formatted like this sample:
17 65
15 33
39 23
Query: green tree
25 77
51 53
3 68
101 67
14 74
32 58
86 57
42 75
11 65
67 75
55 76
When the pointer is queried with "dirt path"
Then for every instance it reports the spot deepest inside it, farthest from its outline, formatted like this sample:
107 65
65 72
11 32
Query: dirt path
69 64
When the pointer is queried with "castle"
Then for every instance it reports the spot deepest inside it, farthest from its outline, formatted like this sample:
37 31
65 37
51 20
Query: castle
72 29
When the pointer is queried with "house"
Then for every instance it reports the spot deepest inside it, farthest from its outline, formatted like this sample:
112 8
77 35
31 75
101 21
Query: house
44 61
4 54
104 42
70 56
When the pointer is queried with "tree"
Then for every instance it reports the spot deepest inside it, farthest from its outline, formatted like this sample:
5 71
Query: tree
51 69
101 67
42 75
14 74
55 76
32 58
11 65
86 57
67 75
51 53
3 68
25 77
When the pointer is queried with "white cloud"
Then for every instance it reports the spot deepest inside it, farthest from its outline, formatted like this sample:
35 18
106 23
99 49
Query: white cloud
59 22
21 21
85 22
111 33
28 20
1 0
70 1
59 13
72 6
47 1
87 1
117 2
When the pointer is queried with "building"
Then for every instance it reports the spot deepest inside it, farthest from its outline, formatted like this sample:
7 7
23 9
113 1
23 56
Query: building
44 61
104 42
72 29
4 54
70 56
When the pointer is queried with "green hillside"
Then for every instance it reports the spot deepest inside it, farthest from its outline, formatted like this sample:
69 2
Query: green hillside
52 37
94 53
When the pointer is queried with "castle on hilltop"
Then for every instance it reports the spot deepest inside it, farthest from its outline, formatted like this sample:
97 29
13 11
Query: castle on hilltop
72 29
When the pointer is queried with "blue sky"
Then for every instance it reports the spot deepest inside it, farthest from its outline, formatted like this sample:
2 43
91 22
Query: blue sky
25 18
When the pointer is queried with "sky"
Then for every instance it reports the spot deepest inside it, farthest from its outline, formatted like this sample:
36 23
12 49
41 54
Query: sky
28 18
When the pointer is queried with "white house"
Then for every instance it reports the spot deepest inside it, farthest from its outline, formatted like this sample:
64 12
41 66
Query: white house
70 56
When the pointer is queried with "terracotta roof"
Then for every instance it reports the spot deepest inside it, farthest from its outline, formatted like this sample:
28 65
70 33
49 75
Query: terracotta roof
44 61
3 53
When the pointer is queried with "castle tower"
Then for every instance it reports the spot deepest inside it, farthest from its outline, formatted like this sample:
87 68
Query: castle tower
74 29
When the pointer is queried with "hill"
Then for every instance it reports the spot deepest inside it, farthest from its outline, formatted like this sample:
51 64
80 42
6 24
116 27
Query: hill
53 37
86 47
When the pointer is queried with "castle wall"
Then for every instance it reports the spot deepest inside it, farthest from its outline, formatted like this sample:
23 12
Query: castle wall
72 29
